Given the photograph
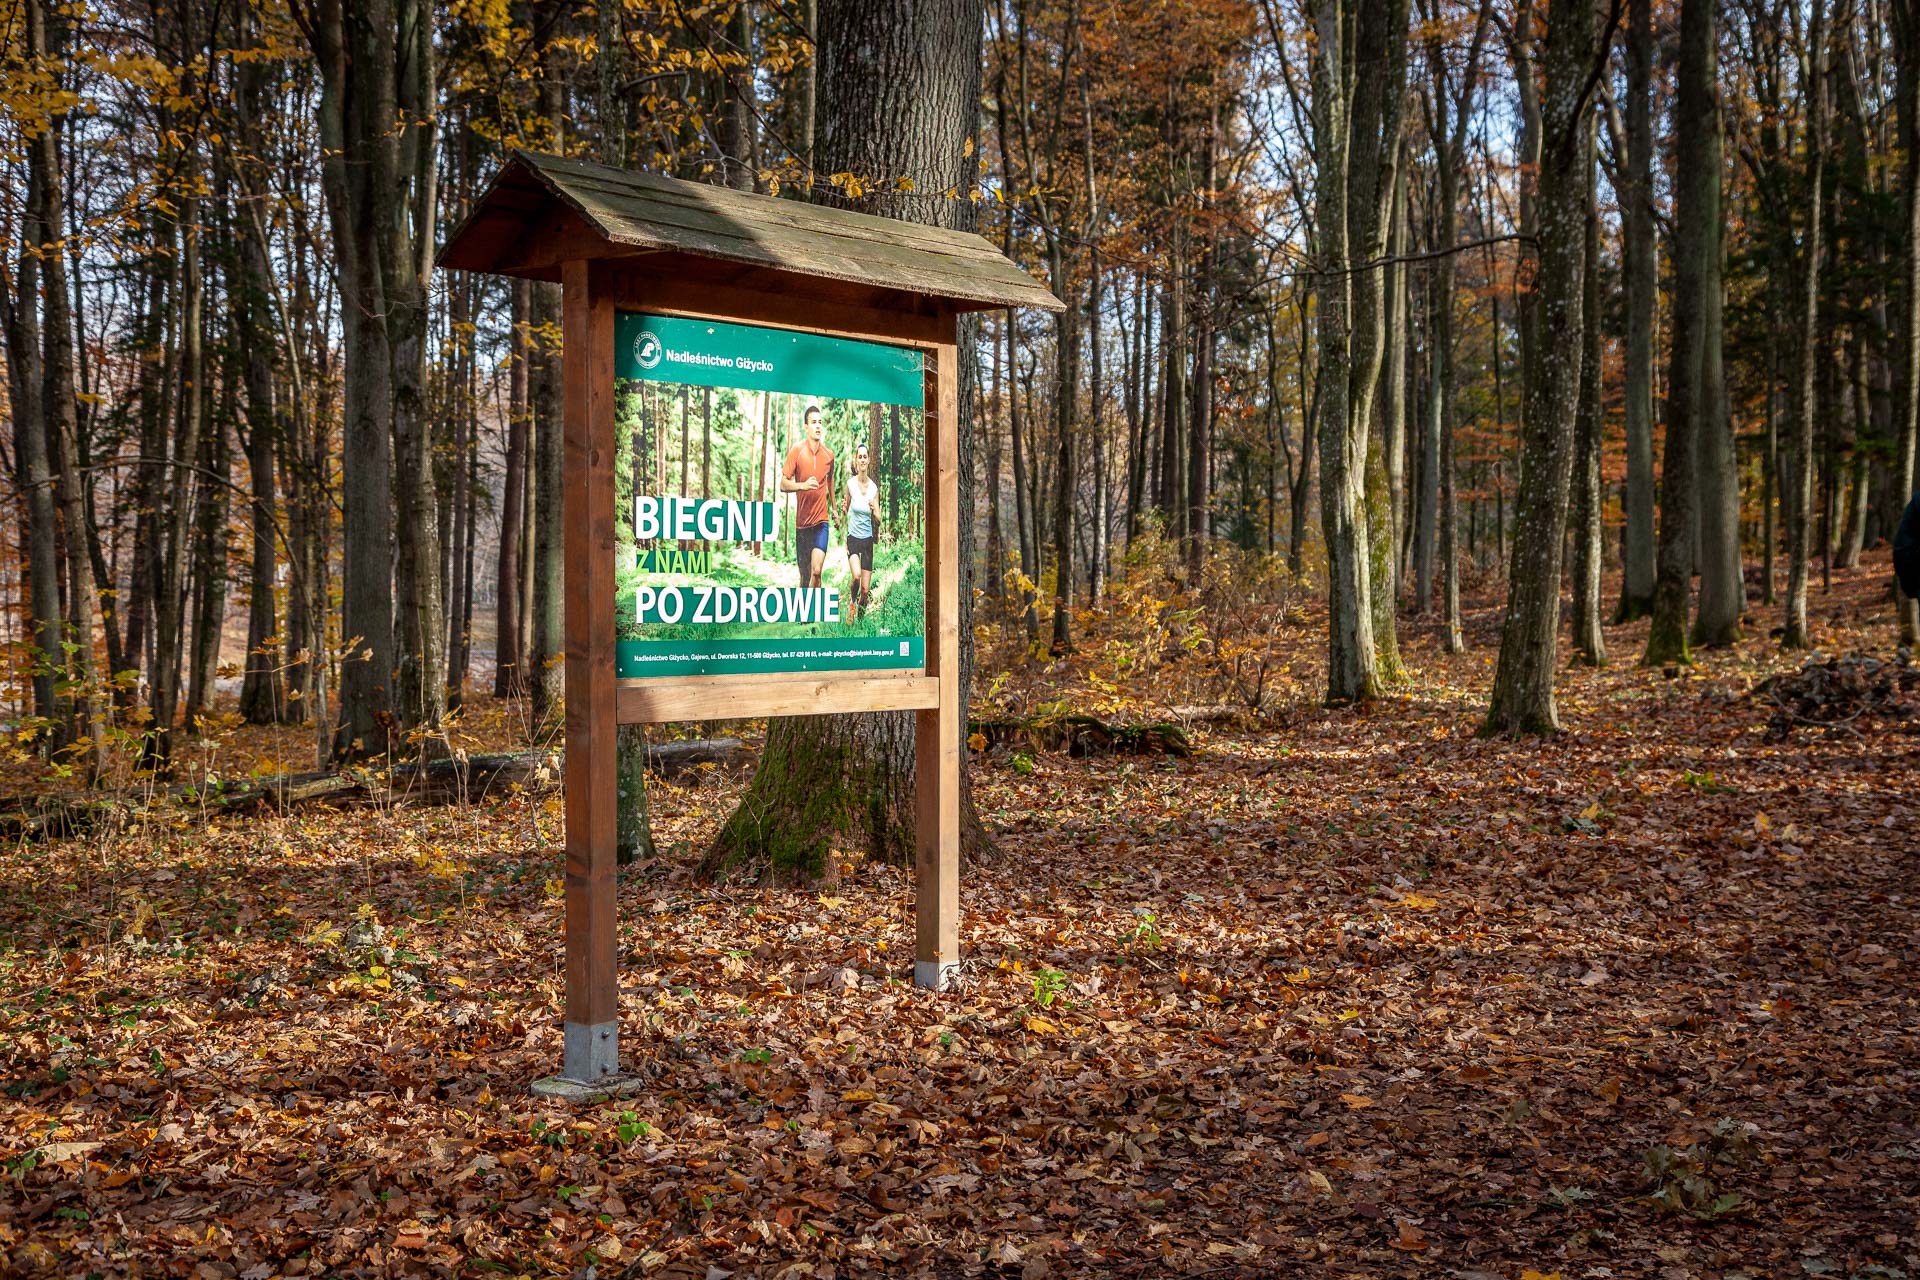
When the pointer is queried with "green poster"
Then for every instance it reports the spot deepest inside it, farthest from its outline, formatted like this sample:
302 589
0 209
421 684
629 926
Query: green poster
769 501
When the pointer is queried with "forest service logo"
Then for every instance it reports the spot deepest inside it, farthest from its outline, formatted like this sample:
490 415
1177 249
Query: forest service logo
647 350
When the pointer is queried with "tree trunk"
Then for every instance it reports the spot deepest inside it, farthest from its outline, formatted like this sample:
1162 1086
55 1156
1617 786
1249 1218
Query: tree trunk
1452 109
1350 658
1906 25
738 144
1640 266
1138 354
1696 197
85 722
1589 537
405 202
209 564
149 477
1023 499
1174 400
262 697
1200 429
1439 374
464 429
610 58
899 80
545 571
996 536
1301 482
1356 131
32 459
358 106
1096 402
546 672
1065 395
1797 493
509 678
1383 446
1853 527
1723 590
1523 700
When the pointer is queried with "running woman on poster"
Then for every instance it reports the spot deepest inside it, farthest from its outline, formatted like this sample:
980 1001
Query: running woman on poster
863 496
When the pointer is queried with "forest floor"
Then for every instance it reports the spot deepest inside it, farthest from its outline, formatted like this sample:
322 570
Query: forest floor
1350 991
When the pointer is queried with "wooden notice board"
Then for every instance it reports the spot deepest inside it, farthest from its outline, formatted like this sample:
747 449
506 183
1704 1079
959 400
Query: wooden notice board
625 246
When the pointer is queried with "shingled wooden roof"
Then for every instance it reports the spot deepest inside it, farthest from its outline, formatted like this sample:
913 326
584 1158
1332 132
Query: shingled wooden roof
541 210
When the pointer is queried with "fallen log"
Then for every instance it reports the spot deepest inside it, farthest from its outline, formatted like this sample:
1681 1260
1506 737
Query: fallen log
1225 713
1080 735
455 780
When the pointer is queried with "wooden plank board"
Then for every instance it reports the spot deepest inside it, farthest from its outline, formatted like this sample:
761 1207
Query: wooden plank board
698 230
810 219
562 233
816 218
671 285
938 731
835 257
592 1018
621 213
747 697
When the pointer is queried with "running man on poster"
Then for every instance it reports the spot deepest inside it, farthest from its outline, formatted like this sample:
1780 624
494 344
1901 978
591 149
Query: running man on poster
769 501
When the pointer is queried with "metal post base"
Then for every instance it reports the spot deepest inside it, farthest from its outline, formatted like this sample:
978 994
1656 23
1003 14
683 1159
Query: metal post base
935 975
592 1052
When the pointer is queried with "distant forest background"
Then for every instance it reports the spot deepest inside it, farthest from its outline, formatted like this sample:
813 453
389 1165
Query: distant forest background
1395 300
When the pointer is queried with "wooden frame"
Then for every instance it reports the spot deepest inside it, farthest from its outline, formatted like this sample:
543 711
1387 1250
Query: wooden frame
598 701
617 239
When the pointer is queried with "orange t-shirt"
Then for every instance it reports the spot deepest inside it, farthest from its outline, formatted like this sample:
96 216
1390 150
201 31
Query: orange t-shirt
804 462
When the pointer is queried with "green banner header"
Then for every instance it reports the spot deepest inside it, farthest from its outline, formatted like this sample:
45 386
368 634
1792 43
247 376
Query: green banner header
712 353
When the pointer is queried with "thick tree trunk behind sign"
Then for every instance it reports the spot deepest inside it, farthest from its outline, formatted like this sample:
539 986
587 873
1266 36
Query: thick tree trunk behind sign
899 88
1523 682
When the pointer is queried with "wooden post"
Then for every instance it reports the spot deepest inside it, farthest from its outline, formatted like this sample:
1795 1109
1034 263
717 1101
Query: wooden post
592 1050
937 731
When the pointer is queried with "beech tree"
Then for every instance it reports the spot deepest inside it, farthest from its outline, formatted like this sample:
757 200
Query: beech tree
1723 594
1589 549
1798 491
1523 700
1697 199
1639 254
1449 110
899 81
1906 23
1359 75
